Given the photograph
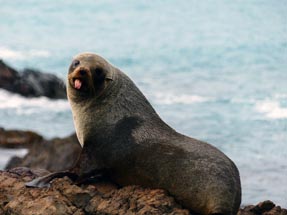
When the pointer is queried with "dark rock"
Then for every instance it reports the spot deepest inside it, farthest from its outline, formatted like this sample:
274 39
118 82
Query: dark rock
31 83
53 155
63 197
8 77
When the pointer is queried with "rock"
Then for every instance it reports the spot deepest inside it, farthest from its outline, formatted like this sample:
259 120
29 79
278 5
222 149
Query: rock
17 138
263 208
63 197
31 83
8 76
53 155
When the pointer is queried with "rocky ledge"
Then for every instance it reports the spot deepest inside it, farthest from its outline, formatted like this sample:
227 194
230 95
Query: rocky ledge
64 197
31 83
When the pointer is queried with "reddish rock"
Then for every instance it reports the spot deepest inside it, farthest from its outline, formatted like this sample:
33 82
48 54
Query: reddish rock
63 197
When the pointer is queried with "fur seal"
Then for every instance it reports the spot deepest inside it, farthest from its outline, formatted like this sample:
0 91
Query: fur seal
123 136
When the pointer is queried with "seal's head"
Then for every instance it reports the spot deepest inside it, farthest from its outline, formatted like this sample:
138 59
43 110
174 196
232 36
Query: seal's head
88 76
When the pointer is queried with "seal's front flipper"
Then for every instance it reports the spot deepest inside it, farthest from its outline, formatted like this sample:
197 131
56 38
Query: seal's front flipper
45 180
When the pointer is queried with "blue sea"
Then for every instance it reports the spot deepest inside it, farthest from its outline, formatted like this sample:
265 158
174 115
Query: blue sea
214 70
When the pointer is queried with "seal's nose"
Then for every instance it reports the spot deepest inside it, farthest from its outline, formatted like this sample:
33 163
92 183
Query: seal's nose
82 72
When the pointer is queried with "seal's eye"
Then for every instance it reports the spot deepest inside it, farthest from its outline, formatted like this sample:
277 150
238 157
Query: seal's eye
99 75
75 63
99 71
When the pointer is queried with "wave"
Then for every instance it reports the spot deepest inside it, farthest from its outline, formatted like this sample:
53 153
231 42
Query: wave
6 53
272 108
168 99
27 106
24 105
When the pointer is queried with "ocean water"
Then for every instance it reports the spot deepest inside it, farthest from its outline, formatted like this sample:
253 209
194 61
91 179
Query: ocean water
214 70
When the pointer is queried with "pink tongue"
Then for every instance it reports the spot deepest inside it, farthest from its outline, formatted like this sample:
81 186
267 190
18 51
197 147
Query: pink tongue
78 84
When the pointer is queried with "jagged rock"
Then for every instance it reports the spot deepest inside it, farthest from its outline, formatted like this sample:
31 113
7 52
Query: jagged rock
17 138
63 197
31 83
8 76
263 208
53 155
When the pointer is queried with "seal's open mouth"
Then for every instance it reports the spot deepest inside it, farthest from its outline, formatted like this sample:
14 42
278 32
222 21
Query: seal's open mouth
77 83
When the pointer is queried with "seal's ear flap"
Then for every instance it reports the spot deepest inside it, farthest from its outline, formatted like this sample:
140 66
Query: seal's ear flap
110 73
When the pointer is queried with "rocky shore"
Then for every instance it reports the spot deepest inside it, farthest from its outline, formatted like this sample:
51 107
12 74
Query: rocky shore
64 197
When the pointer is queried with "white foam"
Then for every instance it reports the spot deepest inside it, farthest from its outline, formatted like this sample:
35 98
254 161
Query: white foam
169 98
6 53
271 109
27 106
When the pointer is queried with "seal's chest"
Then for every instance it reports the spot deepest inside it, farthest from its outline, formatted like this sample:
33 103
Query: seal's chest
82 125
